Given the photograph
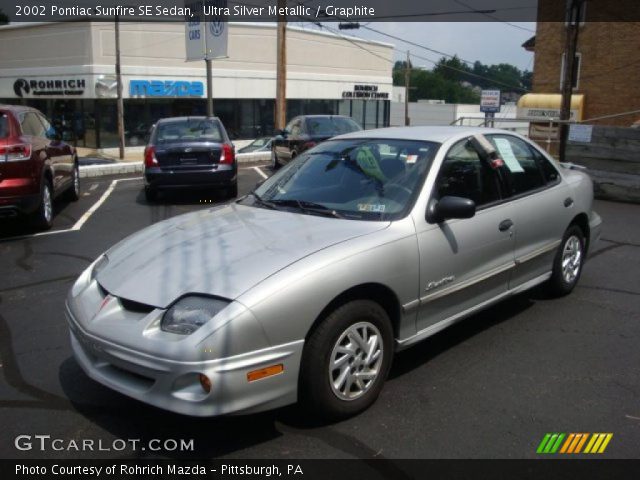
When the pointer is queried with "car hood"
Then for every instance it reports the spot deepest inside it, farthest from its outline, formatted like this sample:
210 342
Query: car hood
222 251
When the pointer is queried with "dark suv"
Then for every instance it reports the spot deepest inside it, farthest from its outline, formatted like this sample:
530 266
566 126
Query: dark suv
36 166
189 152
305 132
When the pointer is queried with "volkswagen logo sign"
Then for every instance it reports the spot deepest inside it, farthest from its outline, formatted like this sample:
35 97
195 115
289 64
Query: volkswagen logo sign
216 28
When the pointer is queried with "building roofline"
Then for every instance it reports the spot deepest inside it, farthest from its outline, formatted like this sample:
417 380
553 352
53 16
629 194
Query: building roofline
269 25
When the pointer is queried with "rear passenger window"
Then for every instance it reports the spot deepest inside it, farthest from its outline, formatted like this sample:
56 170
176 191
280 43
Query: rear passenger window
463 174
521 162
31 125
549 171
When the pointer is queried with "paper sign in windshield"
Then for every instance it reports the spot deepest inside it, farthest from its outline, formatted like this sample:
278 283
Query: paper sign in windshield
506 153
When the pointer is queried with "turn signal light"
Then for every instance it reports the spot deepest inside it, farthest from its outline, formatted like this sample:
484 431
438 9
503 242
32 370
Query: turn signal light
265 372
150 159
13 153
205 382
227 156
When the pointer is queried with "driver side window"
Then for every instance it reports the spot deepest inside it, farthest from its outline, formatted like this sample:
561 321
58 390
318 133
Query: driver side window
463 174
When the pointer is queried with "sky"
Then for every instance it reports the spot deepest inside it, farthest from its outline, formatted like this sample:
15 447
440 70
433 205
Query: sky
488 42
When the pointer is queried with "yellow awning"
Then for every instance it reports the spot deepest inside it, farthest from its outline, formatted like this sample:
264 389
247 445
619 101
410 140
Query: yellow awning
545 106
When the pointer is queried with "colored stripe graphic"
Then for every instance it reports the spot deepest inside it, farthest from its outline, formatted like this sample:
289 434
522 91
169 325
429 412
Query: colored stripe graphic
573 443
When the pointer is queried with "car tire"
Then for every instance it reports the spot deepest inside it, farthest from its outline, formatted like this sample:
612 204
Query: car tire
73 194
568 262
151 194
43 217
338 377
232 191
275 165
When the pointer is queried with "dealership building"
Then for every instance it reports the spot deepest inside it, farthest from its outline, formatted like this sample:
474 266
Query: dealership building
67 70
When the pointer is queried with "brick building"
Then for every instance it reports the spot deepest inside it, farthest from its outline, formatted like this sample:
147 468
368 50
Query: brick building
608 59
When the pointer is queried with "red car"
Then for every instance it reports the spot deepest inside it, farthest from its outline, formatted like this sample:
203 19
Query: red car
36 166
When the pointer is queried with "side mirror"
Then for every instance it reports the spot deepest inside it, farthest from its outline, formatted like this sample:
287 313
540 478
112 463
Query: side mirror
450 207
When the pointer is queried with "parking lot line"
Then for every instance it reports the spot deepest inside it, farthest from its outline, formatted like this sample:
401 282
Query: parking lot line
81 221
261 173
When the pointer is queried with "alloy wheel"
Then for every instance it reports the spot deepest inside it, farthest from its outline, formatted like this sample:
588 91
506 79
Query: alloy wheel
571 259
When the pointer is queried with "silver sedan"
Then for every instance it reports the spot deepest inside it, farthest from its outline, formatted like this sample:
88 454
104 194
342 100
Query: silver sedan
304 289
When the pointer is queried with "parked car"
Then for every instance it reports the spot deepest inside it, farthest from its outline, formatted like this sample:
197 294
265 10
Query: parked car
36 166
305 132
305 288
257 151
261 144
188 152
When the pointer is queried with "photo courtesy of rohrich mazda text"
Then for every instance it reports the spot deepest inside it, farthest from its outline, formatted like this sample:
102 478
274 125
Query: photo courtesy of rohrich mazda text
322 240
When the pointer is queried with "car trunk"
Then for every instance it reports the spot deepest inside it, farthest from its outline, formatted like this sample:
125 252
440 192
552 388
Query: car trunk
188 155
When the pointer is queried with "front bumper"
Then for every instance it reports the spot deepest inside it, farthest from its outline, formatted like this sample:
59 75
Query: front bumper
175 386
166 177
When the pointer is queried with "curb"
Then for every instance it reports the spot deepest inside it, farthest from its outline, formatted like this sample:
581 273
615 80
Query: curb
89 171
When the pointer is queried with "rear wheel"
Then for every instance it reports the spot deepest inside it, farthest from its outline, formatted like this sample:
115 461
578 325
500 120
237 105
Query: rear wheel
151 194
567 265
43 217
346 360
232 191
73 193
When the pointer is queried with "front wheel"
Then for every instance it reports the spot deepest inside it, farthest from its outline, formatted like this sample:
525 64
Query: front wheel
346 360
567 264
275 165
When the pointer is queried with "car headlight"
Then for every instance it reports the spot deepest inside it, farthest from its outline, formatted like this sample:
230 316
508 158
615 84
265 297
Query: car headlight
189 313
89 275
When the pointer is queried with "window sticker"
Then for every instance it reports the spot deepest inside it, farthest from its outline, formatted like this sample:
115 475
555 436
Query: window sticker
412 158
371 207
506 153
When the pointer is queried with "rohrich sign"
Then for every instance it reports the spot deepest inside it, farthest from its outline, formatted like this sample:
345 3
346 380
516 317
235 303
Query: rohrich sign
49 87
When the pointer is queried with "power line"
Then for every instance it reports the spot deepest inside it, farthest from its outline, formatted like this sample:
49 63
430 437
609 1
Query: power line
489 15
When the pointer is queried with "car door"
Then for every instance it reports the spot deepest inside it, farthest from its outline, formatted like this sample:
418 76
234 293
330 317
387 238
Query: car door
464 262
60 152
33 131
282 142
542 206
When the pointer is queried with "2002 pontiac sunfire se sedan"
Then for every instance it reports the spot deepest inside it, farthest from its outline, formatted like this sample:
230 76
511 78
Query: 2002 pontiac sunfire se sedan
305 288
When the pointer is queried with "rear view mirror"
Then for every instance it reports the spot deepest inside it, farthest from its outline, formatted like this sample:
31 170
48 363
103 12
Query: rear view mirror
449 207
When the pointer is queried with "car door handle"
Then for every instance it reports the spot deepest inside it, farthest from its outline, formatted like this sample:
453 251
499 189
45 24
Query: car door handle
568 202
505 225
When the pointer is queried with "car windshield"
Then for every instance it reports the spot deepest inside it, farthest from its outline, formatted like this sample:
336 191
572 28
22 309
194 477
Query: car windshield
362 179
188 130
331 125
4 126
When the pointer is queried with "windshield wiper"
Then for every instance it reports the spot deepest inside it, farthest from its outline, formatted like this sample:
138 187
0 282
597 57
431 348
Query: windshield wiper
306 206
264 203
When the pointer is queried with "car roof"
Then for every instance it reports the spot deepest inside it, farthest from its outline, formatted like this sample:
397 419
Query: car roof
18 108
438 134
179 119
323 116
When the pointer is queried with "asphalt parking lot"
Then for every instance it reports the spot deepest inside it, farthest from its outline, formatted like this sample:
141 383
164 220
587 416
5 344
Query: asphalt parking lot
489 387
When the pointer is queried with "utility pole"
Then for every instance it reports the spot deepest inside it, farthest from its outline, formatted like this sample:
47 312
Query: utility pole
407 82
119 102
281 69
207 63
571 44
